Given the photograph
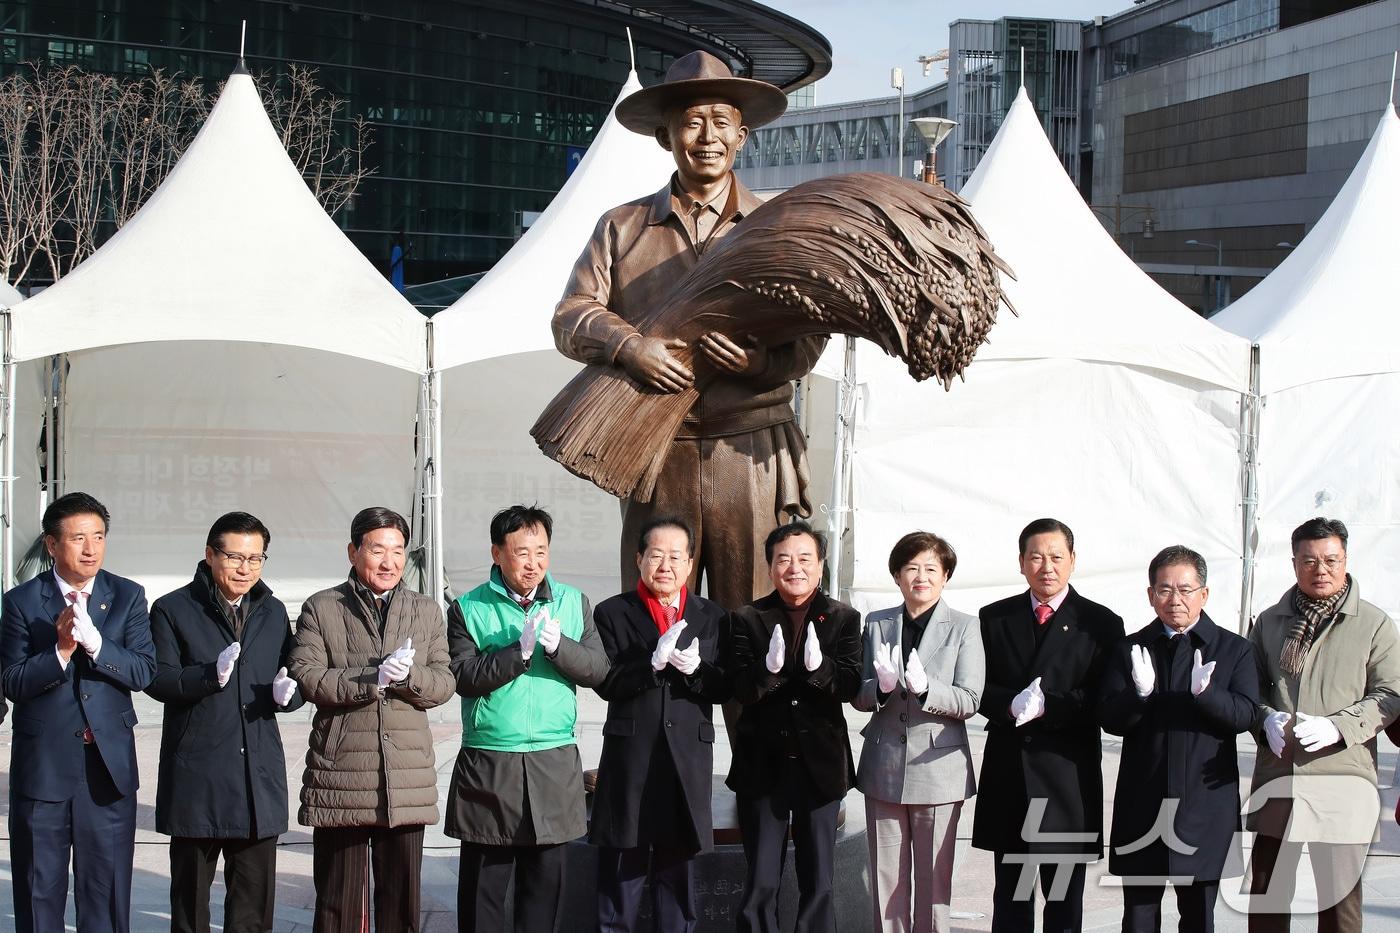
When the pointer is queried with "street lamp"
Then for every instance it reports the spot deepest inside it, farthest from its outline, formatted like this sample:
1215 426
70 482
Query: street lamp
897 82
1118 212
934 130
1220 268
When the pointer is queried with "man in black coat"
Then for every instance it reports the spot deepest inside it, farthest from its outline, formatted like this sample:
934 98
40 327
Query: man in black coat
1178 691
1040 795
221 654
652 803
795 658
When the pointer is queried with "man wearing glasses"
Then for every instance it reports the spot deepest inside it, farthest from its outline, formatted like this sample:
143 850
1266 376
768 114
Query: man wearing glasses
1178 691
221 653
1329 680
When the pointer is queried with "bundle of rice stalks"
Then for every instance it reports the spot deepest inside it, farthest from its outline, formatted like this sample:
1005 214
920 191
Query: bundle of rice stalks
900 263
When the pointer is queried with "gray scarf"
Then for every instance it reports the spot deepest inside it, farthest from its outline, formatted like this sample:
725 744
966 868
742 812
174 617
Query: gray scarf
1311 614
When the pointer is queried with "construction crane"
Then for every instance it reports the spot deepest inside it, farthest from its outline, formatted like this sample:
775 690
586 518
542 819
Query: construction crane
928 61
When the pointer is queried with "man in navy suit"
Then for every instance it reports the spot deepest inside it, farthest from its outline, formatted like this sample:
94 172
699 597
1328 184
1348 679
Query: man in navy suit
74 644
1040 796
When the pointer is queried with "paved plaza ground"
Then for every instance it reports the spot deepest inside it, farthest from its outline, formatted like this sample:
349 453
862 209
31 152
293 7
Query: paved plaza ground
972 893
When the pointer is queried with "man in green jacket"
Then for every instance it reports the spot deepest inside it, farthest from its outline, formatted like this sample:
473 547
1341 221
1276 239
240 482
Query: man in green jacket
521 643
1329 680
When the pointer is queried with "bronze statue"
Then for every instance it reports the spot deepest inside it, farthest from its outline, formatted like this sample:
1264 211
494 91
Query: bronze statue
694 329
737 464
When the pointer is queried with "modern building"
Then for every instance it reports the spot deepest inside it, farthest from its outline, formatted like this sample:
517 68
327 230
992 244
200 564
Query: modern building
478 107
1232 126
1208 135
984 61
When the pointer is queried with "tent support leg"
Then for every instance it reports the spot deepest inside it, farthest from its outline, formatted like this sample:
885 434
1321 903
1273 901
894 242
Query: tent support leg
840 478
7 458
1249 439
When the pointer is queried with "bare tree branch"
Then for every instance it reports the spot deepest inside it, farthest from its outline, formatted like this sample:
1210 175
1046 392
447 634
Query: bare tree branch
81 152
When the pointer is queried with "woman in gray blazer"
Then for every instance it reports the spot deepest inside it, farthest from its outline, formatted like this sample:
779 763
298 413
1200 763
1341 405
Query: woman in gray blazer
923 676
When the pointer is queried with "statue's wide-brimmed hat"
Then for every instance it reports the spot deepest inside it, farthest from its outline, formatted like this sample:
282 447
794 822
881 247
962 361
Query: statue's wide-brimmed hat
698 76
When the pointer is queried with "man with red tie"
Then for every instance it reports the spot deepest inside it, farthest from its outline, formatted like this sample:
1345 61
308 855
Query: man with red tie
74 644
1040 794
651 809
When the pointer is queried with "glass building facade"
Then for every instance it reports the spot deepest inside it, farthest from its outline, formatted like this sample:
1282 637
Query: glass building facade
476 108
1208 29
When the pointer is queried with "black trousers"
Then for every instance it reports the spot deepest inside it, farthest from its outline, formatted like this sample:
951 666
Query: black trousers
764 821
1142 907
622 876
342 860
1273 866
1015 914
250 881
485 880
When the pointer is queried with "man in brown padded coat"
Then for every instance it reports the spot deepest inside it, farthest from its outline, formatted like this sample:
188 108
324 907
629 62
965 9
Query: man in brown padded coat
739 462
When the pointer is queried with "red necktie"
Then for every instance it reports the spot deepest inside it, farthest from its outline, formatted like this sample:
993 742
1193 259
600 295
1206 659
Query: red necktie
670 615
1043 612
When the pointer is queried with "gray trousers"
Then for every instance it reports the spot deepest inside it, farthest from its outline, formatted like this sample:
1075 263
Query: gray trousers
911 864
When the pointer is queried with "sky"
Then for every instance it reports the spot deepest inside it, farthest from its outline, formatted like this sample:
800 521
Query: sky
869 37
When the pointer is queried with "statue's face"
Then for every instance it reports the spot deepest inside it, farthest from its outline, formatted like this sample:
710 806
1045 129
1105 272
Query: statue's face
704 139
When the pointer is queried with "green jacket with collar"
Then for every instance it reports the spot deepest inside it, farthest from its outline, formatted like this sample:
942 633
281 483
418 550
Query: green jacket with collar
538 709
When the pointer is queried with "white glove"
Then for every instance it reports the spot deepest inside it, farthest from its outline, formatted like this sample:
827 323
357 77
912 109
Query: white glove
886 675
812 649
687 661
223 667
1029 704
777 651
394 669
915 677
527 639
1144 677
665 645
1315 732
283 688
85 633
1200 674
549 635
1273 731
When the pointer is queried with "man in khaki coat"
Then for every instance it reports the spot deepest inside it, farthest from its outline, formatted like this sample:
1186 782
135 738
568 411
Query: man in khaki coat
372 655
1315 773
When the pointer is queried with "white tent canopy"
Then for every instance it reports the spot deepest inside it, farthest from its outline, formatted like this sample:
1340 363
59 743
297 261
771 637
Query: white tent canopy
501 327
1328 335
231 349
1106 404
1329 309
231 246
8 296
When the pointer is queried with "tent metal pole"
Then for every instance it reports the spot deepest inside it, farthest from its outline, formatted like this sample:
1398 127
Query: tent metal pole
7 500
59 484
437 557
840 469
1249 438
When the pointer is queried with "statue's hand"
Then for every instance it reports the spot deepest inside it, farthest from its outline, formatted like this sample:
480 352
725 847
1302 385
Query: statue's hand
747 359
649 361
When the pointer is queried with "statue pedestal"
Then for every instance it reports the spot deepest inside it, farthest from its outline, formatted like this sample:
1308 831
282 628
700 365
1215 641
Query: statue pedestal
719 878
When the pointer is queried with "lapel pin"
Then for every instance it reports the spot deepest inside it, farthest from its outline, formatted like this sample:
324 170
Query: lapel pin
1064 628
102 606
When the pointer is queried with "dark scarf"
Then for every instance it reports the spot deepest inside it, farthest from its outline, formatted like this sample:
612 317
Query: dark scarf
1311 614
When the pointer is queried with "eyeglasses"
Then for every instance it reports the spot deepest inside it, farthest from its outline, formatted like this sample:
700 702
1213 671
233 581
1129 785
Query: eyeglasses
254 561
1311 563
1185 592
